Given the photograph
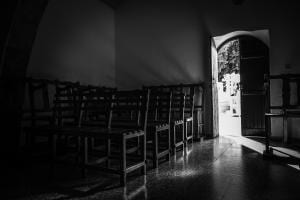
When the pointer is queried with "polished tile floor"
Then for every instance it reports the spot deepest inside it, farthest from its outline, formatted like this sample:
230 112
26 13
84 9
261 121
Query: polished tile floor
218 169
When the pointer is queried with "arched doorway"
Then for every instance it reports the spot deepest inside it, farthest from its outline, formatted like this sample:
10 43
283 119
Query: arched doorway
243 60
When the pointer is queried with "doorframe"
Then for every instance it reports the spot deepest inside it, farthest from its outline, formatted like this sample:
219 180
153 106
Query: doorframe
244 34
214 120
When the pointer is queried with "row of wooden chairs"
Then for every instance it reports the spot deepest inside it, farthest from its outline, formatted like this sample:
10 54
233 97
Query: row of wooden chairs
192 109
40 94
39 99
102 125
111 118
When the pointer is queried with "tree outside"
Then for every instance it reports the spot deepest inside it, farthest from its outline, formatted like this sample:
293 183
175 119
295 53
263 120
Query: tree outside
229 59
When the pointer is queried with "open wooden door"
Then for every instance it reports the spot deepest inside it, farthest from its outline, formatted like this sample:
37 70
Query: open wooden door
214 80
254 64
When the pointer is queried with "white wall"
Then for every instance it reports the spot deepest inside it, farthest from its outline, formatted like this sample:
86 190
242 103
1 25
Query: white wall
159 42
75 42
162 42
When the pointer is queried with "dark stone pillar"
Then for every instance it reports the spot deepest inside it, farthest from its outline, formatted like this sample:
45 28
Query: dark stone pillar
15 58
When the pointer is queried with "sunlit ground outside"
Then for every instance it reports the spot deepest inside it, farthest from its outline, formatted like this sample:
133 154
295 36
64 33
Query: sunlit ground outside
229 105
229 125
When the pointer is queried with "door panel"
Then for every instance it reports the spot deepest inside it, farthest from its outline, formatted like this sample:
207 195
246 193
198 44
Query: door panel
252 74
252 118
253 66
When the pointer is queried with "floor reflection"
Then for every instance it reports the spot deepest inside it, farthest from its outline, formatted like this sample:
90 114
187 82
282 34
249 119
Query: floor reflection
259 147
251 144
224 168
140 191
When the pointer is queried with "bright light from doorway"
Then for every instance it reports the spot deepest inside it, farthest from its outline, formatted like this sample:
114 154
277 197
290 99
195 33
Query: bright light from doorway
229 89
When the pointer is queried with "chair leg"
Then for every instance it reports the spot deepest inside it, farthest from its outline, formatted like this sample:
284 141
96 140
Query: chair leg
30 142
155 150
53 155
174 140
183 139
185 135
84 156
93 143
123 162
192 130
78 146
144 154
123 179
169 143
108 153
189 129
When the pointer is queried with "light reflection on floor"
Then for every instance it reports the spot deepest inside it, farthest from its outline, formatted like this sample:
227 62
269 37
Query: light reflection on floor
251 144
222 168
128 195
260 147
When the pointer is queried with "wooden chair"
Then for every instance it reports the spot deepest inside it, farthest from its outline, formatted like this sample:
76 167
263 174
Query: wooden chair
194 110
199 113
96 117
189 91
39 110
122 134
177 121
68 123
188 110
158 126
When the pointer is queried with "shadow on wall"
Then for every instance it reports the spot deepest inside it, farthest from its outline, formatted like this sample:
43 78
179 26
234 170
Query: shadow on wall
75 42
171 71
159 43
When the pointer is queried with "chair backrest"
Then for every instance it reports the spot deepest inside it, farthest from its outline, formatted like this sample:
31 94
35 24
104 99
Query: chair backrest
101 88
189 92
39 109
178 106
182 99
130 109
97 108
290 90
160 104
193 94
67 103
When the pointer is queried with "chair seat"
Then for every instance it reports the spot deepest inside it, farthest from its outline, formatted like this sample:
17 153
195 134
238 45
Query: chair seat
188 119
94 123
157 124
123 124
98 132
177 122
